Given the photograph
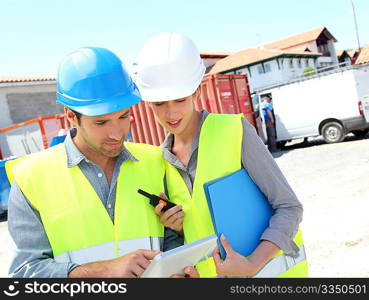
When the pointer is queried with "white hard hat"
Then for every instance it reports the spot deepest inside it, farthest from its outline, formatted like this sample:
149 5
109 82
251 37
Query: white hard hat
169 68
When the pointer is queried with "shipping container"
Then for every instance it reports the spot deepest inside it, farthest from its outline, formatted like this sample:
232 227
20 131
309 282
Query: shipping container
227 94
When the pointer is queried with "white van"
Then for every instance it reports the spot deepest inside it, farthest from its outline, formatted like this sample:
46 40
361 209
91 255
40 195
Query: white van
330 104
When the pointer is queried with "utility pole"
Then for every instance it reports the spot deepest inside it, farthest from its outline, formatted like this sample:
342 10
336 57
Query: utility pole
357 32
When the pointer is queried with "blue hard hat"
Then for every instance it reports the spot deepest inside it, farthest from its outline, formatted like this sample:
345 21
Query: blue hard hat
94 82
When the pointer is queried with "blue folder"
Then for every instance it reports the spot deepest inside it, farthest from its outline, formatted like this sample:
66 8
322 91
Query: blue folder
239 210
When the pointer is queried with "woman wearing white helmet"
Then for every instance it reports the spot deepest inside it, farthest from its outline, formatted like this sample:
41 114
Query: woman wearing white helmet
200 147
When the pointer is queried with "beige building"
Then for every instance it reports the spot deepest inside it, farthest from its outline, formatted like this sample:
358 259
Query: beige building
281 61
318 40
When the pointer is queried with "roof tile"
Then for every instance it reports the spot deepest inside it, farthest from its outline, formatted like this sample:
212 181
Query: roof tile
363 57
250 56
298 39
11 79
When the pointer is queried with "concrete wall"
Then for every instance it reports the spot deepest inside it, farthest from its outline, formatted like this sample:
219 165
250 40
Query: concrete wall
312 46
332 50
24 101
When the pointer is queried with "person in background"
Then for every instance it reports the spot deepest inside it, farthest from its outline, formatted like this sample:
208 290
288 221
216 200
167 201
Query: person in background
269 118
202 146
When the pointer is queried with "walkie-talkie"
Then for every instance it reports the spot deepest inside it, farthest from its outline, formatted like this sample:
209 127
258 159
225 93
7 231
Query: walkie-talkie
155 200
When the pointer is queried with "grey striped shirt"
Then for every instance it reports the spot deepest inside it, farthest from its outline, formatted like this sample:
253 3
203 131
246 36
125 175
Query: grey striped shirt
265 172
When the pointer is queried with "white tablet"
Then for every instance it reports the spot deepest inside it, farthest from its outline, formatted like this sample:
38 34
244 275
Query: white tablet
174 261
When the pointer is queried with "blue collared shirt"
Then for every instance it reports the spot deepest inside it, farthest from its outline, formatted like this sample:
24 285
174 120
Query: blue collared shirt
31 253
265 107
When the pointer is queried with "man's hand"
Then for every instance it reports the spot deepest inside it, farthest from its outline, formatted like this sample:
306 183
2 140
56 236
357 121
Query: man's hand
172 218
131 265
134 263
190 272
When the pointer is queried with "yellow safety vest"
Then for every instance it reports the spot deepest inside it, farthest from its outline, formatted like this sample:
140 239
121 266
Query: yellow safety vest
219 154
75 220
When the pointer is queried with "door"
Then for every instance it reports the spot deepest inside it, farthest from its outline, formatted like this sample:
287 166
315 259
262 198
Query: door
259 117
366 107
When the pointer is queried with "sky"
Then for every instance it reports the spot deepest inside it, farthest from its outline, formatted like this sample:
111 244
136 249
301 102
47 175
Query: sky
35 35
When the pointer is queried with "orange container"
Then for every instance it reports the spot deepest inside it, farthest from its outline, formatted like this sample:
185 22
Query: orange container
227 94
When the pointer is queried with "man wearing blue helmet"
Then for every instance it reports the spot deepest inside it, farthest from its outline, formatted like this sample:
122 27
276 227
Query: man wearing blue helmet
74 209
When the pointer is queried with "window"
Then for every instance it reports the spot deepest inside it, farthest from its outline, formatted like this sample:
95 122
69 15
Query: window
260 69
291 63
241 71
323 48
306 63
299 62
264 68
267 68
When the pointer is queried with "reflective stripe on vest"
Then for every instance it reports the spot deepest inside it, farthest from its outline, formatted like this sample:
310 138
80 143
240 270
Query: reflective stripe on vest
219 154
281 264
106 251
73 215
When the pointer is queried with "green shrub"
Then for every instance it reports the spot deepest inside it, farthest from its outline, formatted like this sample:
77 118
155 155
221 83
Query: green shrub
309 71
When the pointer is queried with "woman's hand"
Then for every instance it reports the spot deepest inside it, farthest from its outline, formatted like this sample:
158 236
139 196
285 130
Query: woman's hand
172 218
235 264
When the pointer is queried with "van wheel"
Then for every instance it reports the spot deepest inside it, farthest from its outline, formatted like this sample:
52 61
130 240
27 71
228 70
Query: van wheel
333 132
361 132
281 144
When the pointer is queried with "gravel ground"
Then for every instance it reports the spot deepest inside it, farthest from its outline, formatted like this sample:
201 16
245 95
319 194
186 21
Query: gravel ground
332 182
